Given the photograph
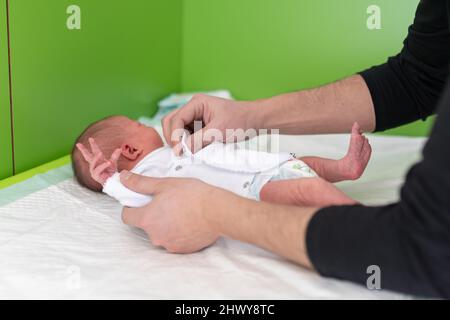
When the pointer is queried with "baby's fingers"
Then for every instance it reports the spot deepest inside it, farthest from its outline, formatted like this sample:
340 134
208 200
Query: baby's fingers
94 147
115 156
93 163
87 155
98 175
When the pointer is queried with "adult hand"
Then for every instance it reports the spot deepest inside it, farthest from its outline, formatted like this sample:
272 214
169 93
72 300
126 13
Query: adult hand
176 219
187 215
216 116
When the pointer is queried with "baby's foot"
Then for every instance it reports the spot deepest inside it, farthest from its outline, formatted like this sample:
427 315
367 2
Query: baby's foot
354 163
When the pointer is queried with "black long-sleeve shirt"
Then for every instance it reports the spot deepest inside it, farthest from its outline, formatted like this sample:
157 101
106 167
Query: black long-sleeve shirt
409 240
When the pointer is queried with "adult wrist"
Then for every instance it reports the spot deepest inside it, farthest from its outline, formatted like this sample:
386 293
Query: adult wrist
255 114
212 209
220 208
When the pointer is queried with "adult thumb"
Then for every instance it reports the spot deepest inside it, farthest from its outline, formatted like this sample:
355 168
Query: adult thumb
141 184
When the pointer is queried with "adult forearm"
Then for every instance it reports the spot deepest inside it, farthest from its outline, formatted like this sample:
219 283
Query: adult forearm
277 228
332 108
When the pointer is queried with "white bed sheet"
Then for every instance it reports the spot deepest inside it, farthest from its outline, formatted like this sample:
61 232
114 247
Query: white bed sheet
65 242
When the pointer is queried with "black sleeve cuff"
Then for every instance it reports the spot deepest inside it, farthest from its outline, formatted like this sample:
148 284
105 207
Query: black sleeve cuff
394 104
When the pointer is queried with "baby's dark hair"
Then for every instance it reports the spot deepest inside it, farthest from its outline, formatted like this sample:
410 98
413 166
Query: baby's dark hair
108 136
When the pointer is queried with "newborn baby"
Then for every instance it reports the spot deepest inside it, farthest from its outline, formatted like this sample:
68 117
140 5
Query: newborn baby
118 143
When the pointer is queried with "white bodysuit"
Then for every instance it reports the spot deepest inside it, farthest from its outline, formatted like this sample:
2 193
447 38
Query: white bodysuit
241 171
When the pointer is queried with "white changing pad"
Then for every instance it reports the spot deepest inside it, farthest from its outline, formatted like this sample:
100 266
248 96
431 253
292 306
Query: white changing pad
67 242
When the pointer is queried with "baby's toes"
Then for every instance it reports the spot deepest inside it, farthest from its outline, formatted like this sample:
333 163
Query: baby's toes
365 155
356 129
366 145
357 142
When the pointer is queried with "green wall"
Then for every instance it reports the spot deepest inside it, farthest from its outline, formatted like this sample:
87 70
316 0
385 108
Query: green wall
260 48
5 121
125 57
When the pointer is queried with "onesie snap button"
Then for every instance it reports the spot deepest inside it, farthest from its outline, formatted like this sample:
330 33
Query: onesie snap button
178 168
245 186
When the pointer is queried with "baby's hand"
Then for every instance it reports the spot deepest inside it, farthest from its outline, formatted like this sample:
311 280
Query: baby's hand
101 169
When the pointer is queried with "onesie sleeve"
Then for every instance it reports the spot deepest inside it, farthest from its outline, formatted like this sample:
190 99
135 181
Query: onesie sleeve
128 198
408 86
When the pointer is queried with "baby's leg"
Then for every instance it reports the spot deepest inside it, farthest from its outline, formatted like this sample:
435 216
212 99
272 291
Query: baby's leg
311 192
351 167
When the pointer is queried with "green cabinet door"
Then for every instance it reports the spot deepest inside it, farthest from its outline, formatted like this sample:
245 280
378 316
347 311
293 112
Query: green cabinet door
6 163
76 61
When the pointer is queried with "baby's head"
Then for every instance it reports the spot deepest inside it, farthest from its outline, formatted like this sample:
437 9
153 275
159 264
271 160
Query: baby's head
134 139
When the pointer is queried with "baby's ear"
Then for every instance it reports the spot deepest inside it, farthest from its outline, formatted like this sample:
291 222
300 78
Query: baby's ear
130 152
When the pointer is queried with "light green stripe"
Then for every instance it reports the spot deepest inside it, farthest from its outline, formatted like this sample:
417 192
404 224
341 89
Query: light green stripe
24 184
31 173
